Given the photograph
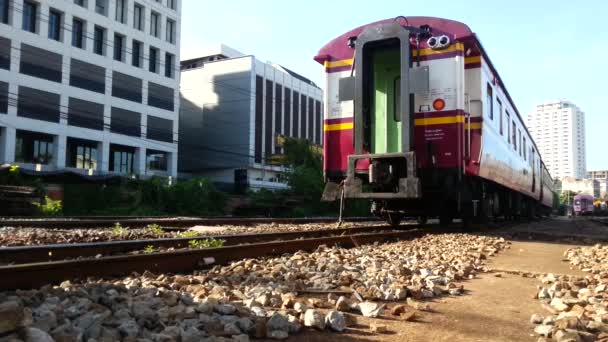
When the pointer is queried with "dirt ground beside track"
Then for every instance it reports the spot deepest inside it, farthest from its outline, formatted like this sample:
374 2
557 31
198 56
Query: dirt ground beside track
494 308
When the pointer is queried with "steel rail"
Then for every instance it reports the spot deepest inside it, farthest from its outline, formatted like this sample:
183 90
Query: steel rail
165 222
35 275
55 252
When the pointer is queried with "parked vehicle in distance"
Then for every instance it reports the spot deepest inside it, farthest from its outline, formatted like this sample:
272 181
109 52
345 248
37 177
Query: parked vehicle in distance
583 205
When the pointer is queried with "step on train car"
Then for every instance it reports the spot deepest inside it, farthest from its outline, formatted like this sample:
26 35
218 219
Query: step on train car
419 122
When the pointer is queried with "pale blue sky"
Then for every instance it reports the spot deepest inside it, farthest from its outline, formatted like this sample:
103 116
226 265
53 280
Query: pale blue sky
543 50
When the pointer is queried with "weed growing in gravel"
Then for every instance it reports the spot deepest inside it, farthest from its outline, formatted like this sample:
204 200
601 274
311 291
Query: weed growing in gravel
119 230
149 249
206 243
155 229
188 234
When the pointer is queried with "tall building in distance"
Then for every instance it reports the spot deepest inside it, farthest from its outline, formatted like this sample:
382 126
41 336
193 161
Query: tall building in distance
558 128
90 86
233 108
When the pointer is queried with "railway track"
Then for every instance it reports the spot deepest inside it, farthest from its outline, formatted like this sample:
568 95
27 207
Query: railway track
57 252
34 275
166 222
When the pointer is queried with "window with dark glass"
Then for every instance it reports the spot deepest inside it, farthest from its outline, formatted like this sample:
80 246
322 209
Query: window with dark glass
296 114
508 119
287 107
85 114
136 53
125 122
302 117
156 160
259 118
5 53
78 33
118 47
138 17
278 108
126 87
38 104
160 96
514 137
99 40
268 134
318 123
155 24
3 97
172 4
55 25
87 76
122 158
153 60
82 3
40 63
490 102
169 65
30 16
159 129
82 154
33 148
311 117
4 11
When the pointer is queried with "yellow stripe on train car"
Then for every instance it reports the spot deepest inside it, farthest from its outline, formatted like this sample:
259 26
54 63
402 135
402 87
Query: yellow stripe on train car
338 126
439 121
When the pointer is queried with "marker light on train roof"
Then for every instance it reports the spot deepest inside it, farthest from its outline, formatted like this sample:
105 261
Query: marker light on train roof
438 104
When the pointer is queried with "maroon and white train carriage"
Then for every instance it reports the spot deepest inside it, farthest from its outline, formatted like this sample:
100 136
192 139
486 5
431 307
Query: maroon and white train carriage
419 121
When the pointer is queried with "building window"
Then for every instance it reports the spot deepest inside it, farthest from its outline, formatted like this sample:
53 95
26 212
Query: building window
259 118
121 11
40 63
55 25
490 102
4 11
136 53
156 160
99 40
101 7
121 158
160 96
33 148
126 87
82 154
153 60
125 122
85 114
172 4
81 3
78 33
155 24
169 65
268 134
119 42
87 76
30 16
170 31
138 17
38 104
4 97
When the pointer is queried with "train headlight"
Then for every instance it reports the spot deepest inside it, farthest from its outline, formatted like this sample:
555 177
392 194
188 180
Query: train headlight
432 42
440 42
444 41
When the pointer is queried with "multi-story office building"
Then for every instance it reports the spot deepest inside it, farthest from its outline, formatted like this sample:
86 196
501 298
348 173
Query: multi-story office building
233 107
558 129
90 85
602 178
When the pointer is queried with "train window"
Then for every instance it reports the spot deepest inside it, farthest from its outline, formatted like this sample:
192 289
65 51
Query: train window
508 127
500 115
397 98
519 140
490 102
514 136
525 150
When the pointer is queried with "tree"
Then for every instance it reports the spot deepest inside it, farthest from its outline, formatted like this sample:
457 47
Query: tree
566 197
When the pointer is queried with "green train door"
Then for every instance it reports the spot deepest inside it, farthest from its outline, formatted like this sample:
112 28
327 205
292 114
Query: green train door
385 120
